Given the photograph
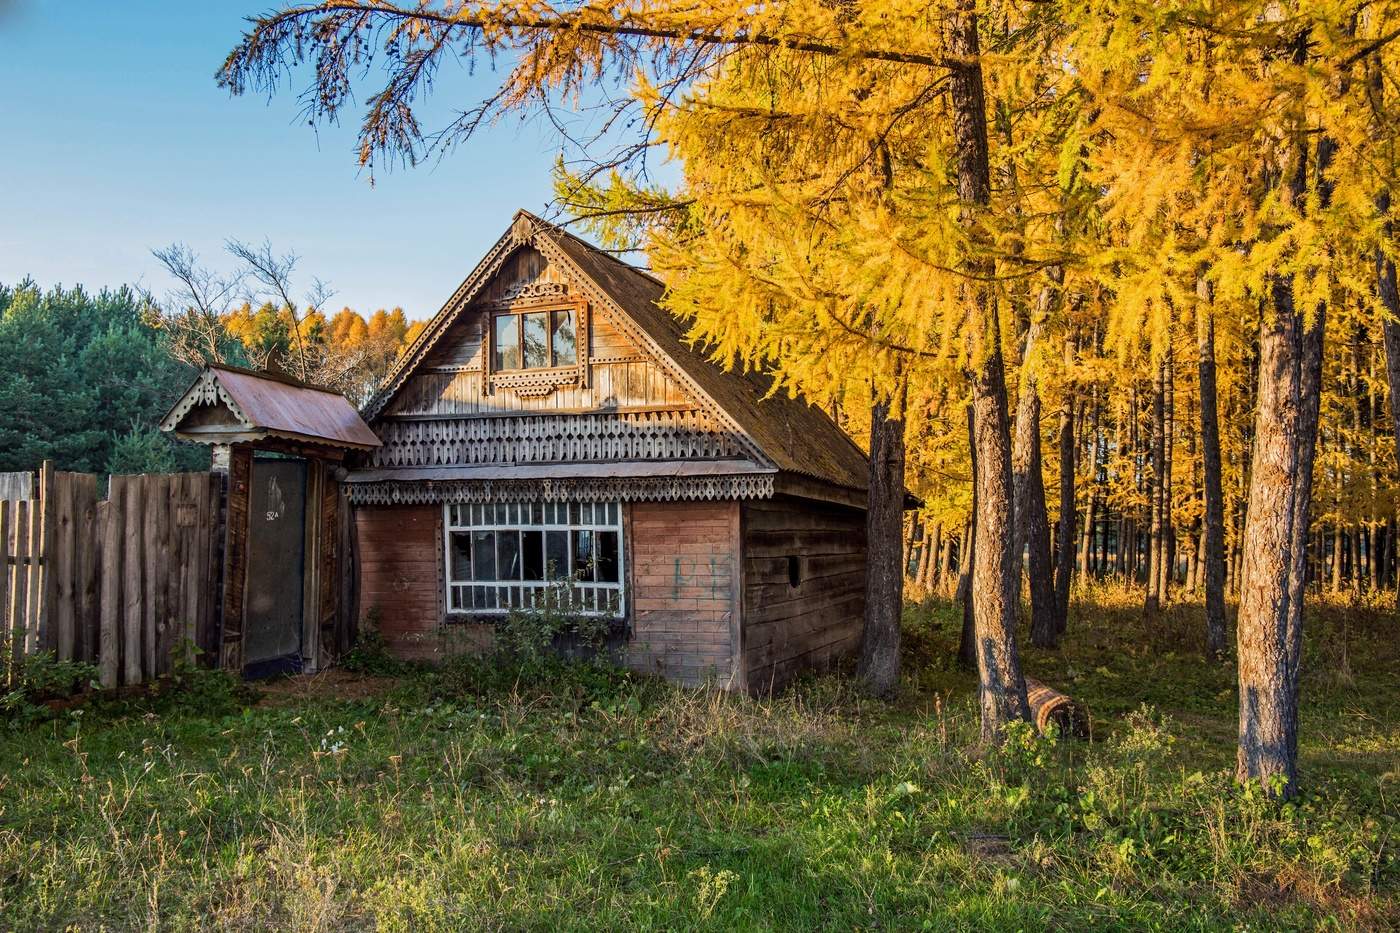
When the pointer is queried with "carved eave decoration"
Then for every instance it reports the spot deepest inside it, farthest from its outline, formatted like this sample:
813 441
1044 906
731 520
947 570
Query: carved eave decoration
526 231
586 489
206 391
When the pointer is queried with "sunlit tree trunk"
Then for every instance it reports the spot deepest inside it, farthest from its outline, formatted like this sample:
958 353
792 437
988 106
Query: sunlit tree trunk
1270 625
1032 522
1002 688
1153 601
1389 295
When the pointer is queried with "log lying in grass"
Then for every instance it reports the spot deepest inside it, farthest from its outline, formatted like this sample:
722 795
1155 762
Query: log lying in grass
1052 708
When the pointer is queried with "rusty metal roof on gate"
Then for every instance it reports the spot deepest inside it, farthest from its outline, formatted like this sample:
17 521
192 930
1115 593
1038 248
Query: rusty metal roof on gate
229 404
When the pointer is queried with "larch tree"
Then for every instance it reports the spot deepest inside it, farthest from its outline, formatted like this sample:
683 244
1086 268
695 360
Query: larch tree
1251 109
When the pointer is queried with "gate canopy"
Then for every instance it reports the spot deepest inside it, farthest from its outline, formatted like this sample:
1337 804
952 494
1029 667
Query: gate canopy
229 405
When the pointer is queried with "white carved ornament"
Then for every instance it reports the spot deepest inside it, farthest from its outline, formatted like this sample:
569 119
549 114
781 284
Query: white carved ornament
630 489
205 391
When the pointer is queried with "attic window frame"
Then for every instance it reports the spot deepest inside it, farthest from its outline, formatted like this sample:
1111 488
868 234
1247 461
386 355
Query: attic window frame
538 380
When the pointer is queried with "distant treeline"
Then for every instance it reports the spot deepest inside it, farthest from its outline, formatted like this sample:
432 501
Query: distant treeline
85 377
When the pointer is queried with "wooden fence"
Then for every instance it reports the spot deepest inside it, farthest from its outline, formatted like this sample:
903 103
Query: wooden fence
127 583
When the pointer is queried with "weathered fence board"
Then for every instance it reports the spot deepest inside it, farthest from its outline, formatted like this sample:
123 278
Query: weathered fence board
125 584
16 485
8 656
109 646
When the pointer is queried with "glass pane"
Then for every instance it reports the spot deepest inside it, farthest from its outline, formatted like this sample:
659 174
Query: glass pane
561 327
457 598
483 555
505 342
556 554
508 555
606 560
536 340
583 554
532 555
537 513
461 556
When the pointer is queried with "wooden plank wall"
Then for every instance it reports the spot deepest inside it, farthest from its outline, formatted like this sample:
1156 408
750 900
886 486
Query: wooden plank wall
786 628
124 583
684 590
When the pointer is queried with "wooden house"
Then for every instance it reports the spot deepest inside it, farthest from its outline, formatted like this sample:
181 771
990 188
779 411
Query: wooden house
552 416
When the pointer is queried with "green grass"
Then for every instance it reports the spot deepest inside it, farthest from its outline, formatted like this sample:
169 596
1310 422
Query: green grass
576 798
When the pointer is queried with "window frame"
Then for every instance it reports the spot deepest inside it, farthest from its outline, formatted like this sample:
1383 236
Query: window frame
520 517
520 313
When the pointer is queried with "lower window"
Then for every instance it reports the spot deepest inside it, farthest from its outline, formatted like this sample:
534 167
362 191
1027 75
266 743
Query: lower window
521 555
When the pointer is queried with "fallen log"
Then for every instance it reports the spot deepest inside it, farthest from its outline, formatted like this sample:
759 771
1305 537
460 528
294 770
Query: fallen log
1050 708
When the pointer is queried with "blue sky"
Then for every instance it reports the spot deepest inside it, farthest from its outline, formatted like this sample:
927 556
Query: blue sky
116 140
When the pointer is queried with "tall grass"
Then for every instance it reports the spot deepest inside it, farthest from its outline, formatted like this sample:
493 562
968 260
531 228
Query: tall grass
555 796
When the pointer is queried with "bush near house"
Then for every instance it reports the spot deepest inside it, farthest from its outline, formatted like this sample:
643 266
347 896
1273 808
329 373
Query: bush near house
556 796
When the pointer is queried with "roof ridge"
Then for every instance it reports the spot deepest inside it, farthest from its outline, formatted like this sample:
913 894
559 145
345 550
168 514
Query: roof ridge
271 376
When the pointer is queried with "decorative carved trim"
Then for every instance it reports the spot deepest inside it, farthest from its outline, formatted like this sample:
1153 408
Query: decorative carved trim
643 489
521 293
618 317
535 383
525 438
205 391
525 232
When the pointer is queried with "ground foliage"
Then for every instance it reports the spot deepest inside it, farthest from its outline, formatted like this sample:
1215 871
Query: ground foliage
556 795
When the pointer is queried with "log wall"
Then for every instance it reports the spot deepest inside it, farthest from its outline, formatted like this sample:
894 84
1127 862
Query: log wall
788 629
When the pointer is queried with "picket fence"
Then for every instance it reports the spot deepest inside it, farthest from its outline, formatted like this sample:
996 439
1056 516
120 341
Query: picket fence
129 583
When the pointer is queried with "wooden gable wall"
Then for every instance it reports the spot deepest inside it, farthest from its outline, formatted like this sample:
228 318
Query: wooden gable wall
626 407
449 381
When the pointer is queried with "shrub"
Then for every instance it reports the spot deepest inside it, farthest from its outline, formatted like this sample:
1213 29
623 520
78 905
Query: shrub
528 634
370 654
42 677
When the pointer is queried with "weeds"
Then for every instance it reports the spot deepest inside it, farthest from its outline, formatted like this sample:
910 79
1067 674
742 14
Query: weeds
538 794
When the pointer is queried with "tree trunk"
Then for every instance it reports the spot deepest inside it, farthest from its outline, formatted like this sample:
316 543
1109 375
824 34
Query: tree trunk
878 668
1152 601
923 573
1214 519
1389 294
945 565
1064 535
1270 625
1002 688
1166 567
1032 522
967 559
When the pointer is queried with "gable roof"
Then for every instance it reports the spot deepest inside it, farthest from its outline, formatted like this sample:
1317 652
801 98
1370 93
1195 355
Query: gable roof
791 434
266 404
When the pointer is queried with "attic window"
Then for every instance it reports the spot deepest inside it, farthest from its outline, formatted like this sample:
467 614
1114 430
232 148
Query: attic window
534 340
